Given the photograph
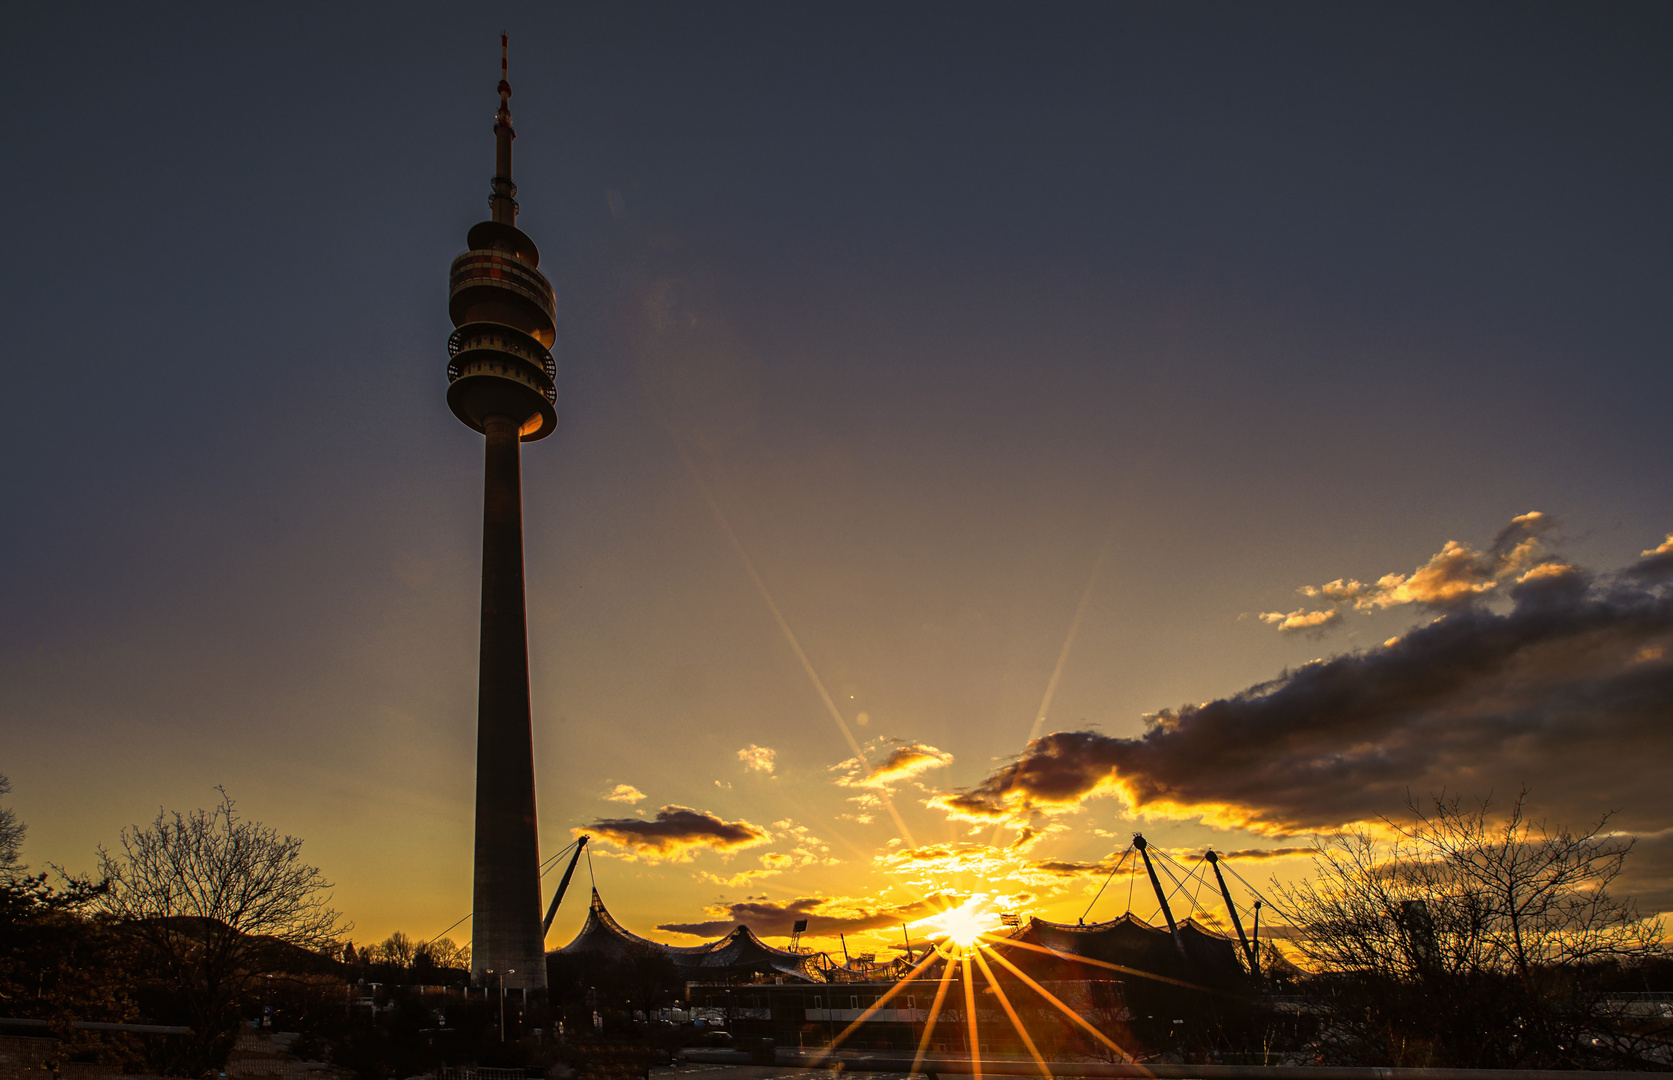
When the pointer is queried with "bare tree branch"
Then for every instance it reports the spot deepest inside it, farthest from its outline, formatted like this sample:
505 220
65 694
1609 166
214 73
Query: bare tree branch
218 902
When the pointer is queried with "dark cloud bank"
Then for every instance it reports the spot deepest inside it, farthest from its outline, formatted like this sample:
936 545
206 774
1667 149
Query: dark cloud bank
825 916
677 830
1569 691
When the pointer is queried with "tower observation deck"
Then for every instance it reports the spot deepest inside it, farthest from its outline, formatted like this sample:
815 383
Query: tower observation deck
502 383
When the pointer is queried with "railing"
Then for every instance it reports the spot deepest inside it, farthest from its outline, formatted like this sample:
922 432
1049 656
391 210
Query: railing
508 340
935 1065
273 1069
96 1025
468 1072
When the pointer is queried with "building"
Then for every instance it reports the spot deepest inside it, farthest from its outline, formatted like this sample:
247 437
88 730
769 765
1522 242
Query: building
1149 988
502 383
738 957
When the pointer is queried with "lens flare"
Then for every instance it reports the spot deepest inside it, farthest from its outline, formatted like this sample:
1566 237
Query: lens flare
963 925
965 944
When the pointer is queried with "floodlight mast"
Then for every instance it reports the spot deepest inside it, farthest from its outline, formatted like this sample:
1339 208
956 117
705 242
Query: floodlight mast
1213 858
563 886
502 382
1161 897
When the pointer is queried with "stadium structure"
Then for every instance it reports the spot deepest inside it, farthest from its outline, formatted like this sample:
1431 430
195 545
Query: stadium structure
1158 987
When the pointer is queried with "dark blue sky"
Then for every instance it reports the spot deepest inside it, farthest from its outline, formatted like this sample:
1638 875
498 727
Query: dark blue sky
936 296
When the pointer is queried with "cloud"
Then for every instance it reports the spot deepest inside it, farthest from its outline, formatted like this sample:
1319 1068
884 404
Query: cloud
826 916
677 833
758 758
906 761
626 793
1073 868
933 866
1070 868
1242 855
738 880
1453 578
807 850
1564 691
1655 564
1302 620
1648 873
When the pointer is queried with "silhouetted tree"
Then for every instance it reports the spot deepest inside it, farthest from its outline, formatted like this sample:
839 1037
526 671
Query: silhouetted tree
441 961
1471 940
645 980
396 950
214 903
11 835
57 963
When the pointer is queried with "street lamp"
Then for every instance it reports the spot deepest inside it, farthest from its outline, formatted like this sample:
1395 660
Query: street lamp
502 975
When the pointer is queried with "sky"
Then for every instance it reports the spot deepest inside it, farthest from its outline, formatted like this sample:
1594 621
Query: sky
1261 407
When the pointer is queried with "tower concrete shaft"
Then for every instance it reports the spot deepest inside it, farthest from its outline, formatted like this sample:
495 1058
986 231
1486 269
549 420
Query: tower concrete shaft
502 383
506 936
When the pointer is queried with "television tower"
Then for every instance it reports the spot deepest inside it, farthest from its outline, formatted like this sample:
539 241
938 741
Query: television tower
502 382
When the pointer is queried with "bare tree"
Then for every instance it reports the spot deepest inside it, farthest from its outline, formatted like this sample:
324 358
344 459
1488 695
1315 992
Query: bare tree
216 903
443 953
396 950
1470 939
11 835
1456 891
1543 893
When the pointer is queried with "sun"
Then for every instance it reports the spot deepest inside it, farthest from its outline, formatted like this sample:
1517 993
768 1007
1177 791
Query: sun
963 925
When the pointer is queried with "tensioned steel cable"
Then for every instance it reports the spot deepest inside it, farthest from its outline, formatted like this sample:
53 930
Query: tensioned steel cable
1107 881
1178 886
1202 881
547 866
1275 907
462 919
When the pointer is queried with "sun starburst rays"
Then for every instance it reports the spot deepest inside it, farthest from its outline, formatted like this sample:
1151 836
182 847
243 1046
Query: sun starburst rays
1064 1009
1078 959
901 984
934 1013
975 1043
1016 1022
967 943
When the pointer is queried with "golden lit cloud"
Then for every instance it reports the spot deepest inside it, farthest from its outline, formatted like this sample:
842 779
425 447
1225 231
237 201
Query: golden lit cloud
758 758
1474 697
1074 868
807 850
1456 575
626 793
677 833
1301 619
941 866
906 761
1655 564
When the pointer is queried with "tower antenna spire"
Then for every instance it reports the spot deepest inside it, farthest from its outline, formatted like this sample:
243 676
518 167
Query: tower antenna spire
503 201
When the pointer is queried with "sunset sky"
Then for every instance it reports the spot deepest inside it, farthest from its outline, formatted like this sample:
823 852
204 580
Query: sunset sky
1263 407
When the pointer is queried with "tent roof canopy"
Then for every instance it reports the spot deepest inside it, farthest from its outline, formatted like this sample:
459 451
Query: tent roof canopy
739 952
